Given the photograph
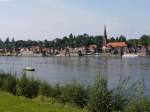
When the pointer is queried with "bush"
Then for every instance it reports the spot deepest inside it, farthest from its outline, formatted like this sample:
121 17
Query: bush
142 105
8 83
138 102
119 96
74 93
46 89
27 87
57 91
99 96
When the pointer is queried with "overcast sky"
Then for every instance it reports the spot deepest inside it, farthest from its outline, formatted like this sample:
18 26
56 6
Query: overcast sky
49 19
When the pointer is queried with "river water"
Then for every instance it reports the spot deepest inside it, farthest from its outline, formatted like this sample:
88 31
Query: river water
84 69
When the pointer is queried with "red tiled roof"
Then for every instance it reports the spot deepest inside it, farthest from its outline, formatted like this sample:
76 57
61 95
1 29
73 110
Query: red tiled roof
117 44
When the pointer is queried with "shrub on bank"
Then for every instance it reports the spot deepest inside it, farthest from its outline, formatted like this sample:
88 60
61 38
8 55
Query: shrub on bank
142 105
8 83
119 96
27 87
45 89
74 93
100 99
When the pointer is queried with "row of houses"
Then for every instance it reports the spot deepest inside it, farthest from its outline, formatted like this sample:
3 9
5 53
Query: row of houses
110 47
32 51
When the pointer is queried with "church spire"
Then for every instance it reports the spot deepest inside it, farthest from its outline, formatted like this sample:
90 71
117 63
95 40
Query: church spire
104 40
105 37
105 33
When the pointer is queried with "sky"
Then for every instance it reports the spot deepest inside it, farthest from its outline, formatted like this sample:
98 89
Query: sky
50 19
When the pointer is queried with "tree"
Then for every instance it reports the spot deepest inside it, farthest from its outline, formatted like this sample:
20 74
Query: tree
46 44
98 41
122 38
145 39
13 43
133 42
1 44
8 44
112 39
7 41
65 42
71 38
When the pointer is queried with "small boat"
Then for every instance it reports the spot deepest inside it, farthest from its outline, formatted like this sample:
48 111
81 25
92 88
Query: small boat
29 68
130 55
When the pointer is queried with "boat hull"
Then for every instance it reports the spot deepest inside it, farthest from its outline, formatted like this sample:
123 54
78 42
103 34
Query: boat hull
130 55
29 69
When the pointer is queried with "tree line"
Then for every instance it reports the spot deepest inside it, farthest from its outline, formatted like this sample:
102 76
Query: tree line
72 41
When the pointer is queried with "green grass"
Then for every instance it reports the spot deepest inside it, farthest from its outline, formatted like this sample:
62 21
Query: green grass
10 103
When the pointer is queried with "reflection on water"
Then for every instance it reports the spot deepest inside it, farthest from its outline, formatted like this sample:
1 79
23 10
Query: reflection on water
62 69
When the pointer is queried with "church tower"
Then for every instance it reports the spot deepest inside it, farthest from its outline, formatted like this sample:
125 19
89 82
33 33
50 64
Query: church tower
104 40
105 37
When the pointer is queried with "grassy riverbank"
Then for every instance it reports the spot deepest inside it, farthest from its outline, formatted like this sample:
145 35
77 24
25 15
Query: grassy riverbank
96 97
9 103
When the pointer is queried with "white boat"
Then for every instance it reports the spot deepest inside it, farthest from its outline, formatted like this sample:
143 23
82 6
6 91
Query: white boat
29 68
130 55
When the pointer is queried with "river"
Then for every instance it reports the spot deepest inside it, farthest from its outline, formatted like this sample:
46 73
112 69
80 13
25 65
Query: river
84 69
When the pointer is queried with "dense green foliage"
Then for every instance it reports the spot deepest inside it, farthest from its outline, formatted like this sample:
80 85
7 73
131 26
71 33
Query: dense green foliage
74 93
8 83
27 87
72 41
100 96
96 97
144 40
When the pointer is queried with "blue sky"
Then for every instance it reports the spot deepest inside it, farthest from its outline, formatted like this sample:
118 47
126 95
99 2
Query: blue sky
49 19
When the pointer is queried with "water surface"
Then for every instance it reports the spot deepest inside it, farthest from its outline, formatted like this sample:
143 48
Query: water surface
84 69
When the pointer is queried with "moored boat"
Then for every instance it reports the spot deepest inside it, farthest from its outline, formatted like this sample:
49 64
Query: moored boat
130 55
29 68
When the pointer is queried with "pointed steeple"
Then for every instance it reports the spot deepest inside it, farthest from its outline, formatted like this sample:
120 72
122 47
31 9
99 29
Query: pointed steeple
105 33
105 37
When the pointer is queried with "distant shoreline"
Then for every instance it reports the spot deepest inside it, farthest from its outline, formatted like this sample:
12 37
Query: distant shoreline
84 55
